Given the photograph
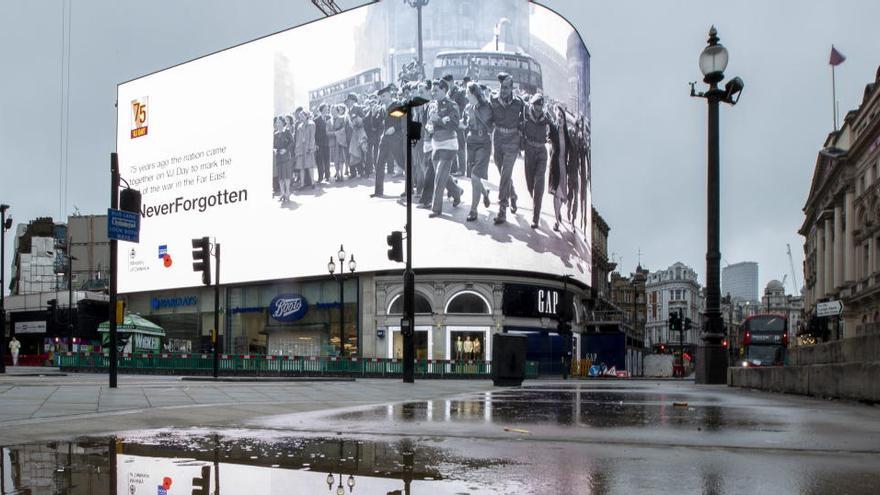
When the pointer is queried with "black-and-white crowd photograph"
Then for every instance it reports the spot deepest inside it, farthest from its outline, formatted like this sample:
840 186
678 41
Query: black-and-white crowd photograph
503 145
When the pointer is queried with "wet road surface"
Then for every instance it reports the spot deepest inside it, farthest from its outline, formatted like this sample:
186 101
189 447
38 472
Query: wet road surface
547 437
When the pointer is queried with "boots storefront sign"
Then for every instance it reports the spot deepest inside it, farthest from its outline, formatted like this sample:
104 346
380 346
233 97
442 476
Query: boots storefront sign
288 307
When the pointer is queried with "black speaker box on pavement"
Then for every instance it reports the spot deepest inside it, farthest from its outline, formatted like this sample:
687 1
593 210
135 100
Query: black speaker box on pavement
508 359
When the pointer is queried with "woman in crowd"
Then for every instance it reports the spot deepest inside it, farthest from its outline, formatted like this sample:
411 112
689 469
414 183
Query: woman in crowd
477 115
559 158
341 136
304 154
331 137
357 139
283 165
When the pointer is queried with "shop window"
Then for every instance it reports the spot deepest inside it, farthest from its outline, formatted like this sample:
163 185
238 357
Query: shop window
422 305
468 303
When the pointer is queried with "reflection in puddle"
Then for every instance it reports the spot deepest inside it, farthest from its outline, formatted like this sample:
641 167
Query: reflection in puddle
171 463
561 408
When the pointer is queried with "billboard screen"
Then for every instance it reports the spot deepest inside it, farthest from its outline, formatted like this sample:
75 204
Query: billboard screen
282 148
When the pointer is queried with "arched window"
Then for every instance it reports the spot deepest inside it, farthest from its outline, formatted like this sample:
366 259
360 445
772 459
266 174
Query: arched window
422 305
468 302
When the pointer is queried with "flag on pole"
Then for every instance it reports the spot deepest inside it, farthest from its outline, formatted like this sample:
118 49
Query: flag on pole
836 58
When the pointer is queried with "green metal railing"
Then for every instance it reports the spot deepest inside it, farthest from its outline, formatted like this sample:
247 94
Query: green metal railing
260 364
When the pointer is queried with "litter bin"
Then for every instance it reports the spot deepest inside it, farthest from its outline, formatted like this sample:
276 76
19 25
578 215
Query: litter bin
508 359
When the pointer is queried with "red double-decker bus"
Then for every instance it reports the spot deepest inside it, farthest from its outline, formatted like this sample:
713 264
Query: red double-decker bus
764 340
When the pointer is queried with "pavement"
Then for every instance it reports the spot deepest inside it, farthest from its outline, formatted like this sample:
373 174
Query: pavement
66 406
446 436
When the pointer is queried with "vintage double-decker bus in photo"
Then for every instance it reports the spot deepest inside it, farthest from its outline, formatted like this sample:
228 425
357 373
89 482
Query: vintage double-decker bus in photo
764 340
363 82
483 66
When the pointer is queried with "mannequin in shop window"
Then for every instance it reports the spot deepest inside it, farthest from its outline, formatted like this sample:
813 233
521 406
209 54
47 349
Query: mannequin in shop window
477 348
468 348
458 348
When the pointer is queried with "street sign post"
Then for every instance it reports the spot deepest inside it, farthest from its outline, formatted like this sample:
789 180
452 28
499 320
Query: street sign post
123 225
830 308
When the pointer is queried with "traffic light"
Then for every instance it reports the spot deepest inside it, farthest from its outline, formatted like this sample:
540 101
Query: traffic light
52 309
563 327
674 322
688 324
202 258
202 484
395 242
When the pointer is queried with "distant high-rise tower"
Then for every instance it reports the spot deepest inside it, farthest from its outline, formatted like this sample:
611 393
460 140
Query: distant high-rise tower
740 280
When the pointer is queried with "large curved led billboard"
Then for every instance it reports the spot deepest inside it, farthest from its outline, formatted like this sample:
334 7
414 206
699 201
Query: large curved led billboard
282 148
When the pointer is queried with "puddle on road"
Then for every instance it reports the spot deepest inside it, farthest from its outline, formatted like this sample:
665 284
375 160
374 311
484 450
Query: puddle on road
198 461
232 463
572 408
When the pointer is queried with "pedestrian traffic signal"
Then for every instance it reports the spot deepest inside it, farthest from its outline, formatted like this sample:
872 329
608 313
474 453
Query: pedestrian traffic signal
395 242
202 258
688 324
202 484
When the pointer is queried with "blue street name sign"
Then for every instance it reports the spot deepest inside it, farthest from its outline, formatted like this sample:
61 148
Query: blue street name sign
123 225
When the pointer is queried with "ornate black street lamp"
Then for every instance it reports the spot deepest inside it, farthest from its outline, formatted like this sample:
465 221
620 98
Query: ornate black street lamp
331 267
5 224
418 4
711 360
340 490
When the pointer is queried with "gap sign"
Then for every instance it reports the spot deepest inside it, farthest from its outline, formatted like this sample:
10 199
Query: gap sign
123 225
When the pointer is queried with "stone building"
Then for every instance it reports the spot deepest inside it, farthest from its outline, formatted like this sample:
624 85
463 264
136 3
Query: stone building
841 227
628 294
675 288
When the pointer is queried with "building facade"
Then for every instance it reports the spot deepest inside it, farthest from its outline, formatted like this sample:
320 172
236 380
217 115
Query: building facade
626 315
39 257
775 300
58 286
674 289
841 229
740 280
89 250
602 267
456 316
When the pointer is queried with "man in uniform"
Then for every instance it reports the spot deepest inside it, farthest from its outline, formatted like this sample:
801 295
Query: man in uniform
457 95
322 142
373 127
443 122
536 132
391 143
507 116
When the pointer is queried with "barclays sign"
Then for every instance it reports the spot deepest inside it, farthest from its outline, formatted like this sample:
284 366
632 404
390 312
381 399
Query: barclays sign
288 307
173 302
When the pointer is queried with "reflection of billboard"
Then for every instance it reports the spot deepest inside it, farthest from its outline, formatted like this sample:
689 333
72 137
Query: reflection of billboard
137 475
228 155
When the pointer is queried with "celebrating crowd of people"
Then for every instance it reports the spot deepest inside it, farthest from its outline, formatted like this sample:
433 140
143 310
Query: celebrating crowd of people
464 126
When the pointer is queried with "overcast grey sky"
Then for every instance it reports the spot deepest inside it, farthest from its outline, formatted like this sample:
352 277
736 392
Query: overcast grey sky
649 136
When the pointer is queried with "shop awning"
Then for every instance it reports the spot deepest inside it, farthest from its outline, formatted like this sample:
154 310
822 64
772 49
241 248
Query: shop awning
134 324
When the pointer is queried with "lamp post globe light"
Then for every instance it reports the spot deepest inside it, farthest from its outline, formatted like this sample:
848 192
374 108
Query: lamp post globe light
711 359
331 268
339 489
